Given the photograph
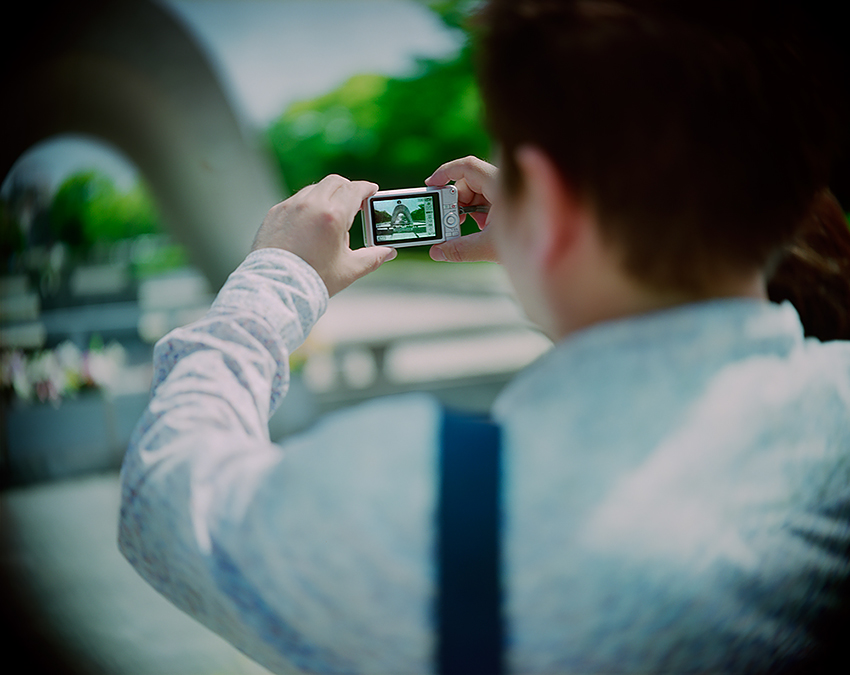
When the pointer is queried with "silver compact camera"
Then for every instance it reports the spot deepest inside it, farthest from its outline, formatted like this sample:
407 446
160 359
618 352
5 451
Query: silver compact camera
411 217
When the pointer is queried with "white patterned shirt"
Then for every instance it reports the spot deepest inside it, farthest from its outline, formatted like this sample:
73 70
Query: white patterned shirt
676 489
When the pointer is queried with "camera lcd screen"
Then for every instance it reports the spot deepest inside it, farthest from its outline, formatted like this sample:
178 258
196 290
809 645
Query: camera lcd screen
400 219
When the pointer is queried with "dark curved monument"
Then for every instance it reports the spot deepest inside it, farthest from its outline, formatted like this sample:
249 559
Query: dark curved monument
128 73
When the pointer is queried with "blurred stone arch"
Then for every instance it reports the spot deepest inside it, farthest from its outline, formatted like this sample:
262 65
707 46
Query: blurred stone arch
129 73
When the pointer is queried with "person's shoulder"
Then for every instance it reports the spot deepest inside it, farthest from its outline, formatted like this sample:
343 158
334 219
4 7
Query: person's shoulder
829 347
392 417
367 448
831 357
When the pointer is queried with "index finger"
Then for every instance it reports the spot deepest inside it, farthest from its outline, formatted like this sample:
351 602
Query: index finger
350 196
478 175
344 195
334 186
327 187
355 190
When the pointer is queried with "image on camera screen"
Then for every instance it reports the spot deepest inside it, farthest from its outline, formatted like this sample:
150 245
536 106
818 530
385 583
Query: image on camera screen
404 219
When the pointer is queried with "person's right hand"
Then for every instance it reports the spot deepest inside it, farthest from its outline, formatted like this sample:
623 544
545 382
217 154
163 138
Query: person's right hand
475 181
313 224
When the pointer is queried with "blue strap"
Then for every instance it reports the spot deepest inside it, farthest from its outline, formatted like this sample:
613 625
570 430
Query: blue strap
470 630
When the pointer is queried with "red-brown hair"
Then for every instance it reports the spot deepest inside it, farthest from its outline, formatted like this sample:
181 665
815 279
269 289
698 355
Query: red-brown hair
813 271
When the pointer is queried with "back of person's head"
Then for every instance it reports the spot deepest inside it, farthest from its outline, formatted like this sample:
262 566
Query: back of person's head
694 130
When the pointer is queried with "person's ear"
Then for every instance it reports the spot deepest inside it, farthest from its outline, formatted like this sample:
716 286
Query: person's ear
560 214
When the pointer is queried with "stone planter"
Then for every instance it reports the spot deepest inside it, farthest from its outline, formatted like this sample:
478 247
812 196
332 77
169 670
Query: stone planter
90 433
81 435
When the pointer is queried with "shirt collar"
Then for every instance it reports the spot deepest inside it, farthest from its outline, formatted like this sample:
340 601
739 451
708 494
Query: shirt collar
724 329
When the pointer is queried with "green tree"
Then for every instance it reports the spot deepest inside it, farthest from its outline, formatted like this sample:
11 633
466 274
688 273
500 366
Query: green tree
11 237
453 13
119 216
71 204
392 131
87 208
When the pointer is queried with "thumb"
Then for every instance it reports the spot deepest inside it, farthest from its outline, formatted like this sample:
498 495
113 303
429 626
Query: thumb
359 263
470 248
370 258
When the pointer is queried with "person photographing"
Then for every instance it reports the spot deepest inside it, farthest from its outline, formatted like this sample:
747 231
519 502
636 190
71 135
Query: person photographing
675 470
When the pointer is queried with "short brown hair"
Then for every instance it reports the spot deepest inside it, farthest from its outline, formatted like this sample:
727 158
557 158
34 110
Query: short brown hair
698 135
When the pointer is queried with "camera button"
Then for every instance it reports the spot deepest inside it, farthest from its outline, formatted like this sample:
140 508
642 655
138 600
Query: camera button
451 219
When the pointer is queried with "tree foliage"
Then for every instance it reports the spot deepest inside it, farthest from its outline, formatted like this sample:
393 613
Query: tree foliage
392 131
88 208
11 237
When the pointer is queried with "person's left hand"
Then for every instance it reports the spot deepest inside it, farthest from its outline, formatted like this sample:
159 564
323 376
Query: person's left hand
313 224
475 181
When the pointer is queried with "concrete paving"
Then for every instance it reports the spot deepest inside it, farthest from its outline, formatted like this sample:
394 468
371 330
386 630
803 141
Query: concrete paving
72 604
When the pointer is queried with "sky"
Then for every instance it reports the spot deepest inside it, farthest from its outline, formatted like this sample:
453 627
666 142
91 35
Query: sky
273 52
268 54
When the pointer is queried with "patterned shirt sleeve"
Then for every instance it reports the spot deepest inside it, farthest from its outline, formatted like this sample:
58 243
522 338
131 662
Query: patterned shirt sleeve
215 384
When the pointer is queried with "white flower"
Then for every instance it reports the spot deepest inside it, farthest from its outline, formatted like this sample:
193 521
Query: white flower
104 365
70 357
47 376
50 375
14 373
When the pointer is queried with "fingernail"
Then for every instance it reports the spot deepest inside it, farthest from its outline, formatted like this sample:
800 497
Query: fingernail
437 254
392 254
